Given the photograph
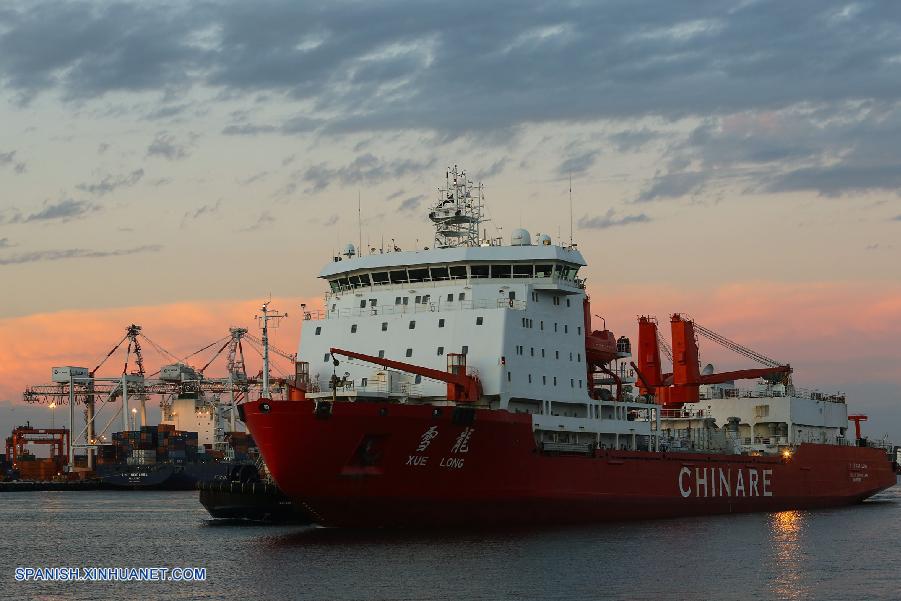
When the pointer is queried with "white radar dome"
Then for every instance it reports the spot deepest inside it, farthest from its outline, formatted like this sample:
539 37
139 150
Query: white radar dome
544 240
520 237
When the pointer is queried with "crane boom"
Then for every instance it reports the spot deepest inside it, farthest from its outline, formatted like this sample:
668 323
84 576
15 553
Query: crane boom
460 385
738 348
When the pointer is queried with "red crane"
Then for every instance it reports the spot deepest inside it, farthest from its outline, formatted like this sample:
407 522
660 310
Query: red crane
682 386
461 387
857 419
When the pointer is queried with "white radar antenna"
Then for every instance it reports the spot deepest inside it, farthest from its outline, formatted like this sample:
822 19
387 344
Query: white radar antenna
458 211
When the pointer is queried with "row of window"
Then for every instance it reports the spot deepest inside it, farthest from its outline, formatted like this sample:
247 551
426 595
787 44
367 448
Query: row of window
464 350
520 350
572 381
454 272
529 323
412 325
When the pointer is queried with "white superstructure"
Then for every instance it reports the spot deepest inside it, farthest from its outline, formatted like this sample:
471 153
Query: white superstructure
516 311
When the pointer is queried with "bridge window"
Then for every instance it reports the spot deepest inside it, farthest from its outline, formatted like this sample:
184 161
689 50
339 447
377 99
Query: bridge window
458 272
439 273
353 329
399 276
380 277
544 271
501 271
419 275
364 279
479 271
373 302
409 352
522 271
318 330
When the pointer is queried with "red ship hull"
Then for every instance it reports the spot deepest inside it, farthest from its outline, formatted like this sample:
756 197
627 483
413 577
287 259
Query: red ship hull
382 464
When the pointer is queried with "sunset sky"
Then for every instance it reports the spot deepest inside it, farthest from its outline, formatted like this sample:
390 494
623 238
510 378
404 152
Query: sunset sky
173 164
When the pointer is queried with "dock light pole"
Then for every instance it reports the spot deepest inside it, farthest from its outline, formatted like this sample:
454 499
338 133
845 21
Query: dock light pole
71 442
264 321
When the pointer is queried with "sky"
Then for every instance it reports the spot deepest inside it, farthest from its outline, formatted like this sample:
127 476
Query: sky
173 164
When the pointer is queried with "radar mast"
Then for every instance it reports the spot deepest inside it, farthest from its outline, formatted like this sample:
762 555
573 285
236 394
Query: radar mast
457 214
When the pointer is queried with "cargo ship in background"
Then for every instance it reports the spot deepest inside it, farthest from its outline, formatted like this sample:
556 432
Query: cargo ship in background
465 384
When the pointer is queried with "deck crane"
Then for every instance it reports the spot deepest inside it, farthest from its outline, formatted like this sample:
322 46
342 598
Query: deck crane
683 386
461 387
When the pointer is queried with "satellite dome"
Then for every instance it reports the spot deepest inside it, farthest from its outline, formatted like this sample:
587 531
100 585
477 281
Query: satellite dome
544 240
520 237
350 251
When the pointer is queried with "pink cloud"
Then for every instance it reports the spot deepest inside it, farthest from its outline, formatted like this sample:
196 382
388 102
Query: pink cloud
31 345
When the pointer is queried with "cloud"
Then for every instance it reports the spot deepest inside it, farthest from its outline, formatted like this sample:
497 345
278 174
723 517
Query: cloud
110 184
64 210
256 177
896 218
265 219
102 147
411 204
5 243
364 169
633 140
609 219
9 158
165 145
330 220
578 164
494 170
202 211
74 253
673 185
523 64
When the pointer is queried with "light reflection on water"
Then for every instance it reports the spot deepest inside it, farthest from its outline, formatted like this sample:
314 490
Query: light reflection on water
786 536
